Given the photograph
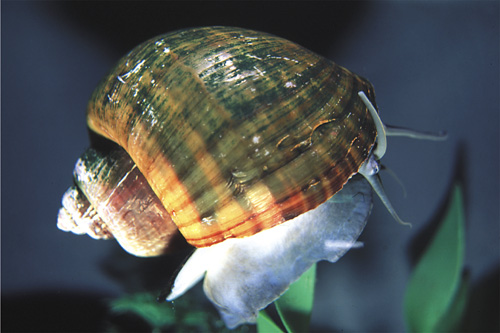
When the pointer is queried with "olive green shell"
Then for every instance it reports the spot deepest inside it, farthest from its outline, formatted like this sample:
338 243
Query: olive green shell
235 130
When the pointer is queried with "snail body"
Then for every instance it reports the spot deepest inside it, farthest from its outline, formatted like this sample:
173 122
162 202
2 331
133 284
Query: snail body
225 134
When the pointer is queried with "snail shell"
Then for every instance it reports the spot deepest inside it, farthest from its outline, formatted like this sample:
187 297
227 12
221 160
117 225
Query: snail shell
113 199
234 130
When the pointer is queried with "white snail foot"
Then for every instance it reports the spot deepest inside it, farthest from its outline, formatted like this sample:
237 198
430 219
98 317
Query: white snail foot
243 276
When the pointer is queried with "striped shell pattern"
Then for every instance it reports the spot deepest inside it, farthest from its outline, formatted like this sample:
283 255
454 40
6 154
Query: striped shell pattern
236 131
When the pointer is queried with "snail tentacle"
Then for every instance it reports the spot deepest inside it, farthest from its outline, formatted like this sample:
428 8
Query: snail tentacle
369 170
384 130
396 178
414 134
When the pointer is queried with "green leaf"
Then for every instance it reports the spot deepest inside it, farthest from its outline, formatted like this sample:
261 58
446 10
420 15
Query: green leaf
451 320
295 306
145 306
265 324
434 293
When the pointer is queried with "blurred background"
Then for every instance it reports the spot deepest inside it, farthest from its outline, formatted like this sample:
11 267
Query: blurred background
434 66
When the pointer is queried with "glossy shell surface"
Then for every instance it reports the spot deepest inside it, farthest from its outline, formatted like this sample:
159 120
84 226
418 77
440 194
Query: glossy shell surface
236 131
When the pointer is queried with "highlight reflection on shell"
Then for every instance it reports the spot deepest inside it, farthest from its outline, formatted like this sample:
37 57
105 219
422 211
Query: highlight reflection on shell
236 131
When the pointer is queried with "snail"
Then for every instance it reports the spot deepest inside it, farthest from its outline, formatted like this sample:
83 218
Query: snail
230 135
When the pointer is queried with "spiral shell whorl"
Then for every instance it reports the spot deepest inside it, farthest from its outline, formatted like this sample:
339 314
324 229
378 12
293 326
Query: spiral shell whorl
235 130
113 199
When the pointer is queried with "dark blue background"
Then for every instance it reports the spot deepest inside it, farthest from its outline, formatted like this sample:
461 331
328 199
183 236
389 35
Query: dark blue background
434 65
